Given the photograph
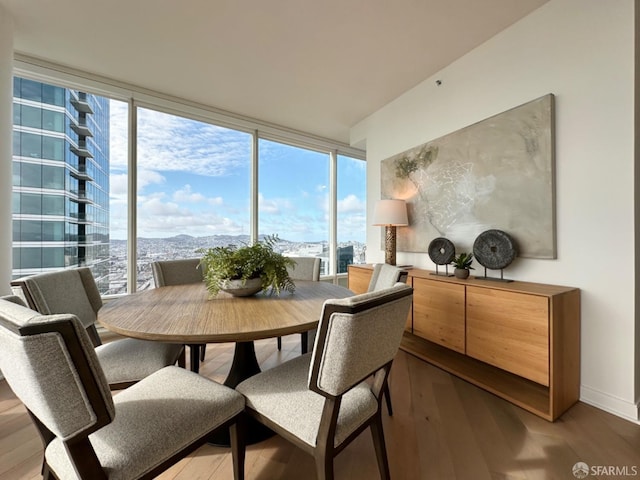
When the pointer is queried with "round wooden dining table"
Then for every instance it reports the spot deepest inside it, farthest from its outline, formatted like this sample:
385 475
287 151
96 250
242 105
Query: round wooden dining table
188 314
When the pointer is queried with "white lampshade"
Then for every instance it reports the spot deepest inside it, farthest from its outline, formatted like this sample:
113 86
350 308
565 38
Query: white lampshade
390 212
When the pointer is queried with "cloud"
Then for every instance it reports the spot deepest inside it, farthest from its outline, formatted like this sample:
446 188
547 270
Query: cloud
118 134
270 207
118 184
351 204
186 195
171 143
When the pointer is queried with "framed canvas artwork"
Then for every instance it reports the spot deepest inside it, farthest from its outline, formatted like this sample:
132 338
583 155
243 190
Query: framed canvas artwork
495 174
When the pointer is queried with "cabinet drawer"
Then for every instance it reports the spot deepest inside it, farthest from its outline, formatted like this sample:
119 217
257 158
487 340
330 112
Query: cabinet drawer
438 313
510 331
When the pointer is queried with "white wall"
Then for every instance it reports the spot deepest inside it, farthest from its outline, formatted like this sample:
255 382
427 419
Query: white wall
581 51
6 125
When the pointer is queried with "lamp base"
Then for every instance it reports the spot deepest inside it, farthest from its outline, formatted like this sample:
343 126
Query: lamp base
390 244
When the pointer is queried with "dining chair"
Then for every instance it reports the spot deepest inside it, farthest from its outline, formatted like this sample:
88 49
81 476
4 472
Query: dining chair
305 268
180 272
50 364
385 276
323 400
124 361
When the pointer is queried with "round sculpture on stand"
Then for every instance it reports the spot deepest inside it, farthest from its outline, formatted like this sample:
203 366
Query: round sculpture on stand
441 252
494 249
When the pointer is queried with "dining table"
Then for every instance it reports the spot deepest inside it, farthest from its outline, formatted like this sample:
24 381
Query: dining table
188 314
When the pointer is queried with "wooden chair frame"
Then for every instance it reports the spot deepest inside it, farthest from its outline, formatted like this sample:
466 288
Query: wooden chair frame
79 446
92 331
325 451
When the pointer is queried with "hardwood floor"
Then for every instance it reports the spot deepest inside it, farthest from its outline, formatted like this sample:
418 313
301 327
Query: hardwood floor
442 428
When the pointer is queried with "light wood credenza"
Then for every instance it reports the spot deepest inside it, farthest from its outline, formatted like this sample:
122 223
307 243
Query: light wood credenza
518 340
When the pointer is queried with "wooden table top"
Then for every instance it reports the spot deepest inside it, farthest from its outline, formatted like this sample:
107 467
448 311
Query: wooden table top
186 313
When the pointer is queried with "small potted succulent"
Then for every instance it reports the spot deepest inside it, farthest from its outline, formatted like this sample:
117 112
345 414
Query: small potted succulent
245 270
462 264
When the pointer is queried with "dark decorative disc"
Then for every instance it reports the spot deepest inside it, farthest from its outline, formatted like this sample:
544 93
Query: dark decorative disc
441 251
494 249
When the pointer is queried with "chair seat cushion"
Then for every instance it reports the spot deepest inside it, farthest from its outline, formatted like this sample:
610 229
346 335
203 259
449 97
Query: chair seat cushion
282 395
130 360
155 418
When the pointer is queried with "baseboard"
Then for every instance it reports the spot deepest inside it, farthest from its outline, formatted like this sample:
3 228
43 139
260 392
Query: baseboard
610 403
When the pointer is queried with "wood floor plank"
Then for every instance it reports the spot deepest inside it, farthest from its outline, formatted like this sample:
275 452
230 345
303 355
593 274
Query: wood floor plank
442 428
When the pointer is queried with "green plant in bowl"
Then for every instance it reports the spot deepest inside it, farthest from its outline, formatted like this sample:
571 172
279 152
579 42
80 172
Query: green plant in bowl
222 265
462 263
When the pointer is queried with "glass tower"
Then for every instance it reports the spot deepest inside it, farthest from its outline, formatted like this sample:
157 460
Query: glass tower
60 180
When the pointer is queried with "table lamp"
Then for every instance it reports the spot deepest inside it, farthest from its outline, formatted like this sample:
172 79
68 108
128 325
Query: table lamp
391 214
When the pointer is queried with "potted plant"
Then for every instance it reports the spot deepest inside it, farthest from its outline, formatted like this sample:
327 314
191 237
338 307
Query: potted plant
462 263
245 270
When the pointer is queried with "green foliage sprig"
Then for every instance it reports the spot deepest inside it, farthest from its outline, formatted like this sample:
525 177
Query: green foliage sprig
259 260
464 260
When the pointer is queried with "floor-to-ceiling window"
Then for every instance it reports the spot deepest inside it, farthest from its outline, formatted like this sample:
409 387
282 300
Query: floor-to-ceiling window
351 212
76 203
193 188
293 199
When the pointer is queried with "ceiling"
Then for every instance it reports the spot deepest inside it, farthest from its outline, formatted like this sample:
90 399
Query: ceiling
317 66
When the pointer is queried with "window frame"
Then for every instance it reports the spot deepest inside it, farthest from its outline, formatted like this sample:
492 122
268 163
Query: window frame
135 97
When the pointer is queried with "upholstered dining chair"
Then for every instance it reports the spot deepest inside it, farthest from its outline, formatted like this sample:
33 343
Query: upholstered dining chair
306 268
385 276
50 364
322 401
124 361
180 272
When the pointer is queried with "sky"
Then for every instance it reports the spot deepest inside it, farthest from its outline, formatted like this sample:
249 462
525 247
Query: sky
193 178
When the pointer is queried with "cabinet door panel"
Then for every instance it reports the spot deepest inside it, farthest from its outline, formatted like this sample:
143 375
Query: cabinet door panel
438 313
359 279
510 331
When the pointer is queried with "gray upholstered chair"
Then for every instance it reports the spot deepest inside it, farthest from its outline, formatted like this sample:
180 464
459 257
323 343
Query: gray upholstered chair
51 365
385 276
322 401
124 361
306 268
181 272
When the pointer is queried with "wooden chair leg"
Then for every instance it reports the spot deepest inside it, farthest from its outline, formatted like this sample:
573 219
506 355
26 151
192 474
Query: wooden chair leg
182 359
324 466
387 396
381 451
47 474
237 433
279 343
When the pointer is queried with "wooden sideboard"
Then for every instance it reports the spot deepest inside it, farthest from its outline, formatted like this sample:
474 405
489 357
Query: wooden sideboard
518 340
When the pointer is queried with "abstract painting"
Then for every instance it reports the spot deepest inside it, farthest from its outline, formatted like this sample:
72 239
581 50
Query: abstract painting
495 174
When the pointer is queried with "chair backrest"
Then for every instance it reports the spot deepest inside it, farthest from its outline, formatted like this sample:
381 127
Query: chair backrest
357 336
51 366
65 291
177 272
306 268
384 276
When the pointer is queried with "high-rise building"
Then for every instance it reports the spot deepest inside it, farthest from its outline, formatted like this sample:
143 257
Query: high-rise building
60 180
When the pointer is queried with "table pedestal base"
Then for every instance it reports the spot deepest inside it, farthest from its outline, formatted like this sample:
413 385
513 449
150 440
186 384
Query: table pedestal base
245 365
